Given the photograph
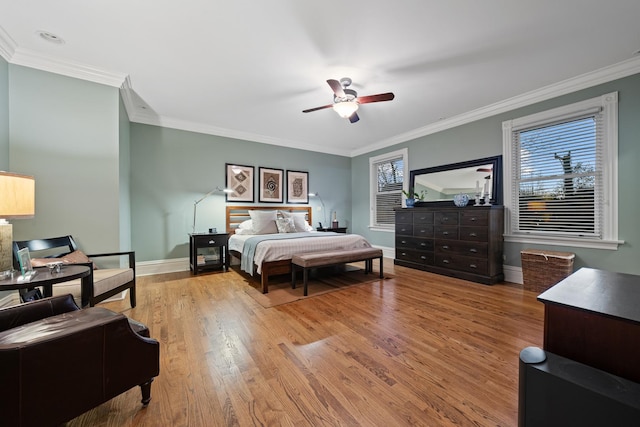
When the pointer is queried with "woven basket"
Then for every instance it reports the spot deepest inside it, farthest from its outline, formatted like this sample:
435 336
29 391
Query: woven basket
542 269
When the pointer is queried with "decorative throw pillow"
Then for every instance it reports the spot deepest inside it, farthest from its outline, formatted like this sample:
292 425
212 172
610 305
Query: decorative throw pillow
74 257
298 218
285 225
243 231
264 222
246 225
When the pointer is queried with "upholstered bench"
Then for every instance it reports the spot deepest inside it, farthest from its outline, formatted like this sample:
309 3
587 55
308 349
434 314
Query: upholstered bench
310 260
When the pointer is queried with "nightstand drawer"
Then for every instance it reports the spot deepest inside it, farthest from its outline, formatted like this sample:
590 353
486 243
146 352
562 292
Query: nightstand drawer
212 241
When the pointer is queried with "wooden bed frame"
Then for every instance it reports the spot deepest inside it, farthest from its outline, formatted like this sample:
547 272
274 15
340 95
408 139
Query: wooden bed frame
237 214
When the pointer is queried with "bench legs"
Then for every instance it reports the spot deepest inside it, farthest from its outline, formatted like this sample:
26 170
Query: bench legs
368 268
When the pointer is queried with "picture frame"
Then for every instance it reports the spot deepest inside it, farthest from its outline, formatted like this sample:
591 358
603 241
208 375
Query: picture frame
239 178
297 187
270 188
24 259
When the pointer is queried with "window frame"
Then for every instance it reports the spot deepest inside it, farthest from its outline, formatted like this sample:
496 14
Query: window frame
373 179
609 238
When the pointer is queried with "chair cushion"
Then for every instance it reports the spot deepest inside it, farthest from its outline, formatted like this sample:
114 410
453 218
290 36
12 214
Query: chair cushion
104 280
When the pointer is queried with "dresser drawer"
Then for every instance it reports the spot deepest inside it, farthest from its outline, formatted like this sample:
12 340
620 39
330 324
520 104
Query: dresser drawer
462 263
476 234
423 230
474 218
210 241
418 257
404 217
446 232
414 243
422 218
459 247
403 229
446 218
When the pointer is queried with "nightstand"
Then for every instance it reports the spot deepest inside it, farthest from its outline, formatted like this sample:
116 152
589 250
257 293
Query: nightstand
335 230
208 251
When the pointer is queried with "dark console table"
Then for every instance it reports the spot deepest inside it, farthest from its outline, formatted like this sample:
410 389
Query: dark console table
593 317
197 241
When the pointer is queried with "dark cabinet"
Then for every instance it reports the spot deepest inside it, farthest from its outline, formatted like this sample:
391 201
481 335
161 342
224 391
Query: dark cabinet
460 242
208 251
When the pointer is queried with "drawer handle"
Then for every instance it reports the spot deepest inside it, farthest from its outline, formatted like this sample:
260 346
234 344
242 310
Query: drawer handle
211 242
404 229
403 254
474 250
423 244
473 234
473 219
423 217
423 257
404 242
445 233
473 266
446 218
445 247
445 261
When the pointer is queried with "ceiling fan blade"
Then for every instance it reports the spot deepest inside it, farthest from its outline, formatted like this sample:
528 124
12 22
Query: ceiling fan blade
337 88
317 108
354 117
376 98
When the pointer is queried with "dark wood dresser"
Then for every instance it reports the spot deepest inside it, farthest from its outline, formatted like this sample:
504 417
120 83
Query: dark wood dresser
460 242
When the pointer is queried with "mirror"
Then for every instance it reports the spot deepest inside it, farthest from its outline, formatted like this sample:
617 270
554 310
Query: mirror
441 183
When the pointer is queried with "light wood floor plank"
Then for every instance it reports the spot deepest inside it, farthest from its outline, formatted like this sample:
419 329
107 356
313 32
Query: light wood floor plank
417 349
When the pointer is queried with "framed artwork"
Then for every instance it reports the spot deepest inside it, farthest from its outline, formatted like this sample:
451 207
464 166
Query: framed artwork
24 259
270 189
239 178
297 187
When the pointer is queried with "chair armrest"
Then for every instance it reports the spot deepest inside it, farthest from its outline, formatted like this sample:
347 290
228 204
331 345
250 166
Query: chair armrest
130 254
19 315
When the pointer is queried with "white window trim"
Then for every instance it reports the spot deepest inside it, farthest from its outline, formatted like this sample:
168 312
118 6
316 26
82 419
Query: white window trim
373 178
609 105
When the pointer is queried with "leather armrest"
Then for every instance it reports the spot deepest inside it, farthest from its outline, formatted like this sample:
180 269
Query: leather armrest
18 315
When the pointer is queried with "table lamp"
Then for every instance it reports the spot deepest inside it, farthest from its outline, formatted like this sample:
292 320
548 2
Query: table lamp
17 200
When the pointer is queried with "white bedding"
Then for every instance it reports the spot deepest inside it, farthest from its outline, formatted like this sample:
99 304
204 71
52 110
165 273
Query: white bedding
277 250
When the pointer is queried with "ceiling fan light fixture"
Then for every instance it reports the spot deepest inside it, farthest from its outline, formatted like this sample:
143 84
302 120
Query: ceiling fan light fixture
345 108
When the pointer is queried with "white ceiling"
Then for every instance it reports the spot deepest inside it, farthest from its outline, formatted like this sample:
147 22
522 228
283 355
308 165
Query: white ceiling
246 69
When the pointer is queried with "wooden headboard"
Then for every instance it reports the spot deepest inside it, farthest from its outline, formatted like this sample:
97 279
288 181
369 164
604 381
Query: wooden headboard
237 214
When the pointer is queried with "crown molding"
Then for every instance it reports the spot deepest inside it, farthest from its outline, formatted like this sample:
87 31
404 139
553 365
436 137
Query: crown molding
7 45
38 61
584 81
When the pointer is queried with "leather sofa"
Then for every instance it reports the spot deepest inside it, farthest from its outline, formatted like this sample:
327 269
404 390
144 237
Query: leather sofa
58 361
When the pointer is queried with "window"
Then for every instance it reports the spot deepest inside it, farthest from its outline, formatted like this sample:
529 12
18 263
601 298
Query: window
387 181
561 175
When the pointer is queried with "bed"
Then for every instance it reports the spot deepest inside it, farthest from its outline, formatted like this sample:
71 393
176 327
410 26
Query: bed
273 252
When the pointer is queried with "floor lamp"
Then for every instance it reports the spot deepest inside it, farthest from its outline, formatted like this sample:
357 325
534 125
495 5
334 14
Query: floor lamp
195 204
17 200
324 214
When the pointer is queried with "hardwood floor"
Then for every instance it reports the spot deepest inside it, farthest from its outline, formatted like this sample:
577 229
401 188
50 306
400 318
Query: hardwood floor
418 349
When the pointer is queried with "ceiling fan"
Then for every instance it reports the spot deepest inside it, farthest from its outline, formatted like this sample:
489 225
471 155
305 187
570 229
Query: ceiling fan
346 101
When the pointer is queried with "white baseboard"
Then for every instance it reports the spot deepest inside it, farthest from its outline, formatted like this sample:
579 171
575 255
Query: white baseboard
146 268
512 274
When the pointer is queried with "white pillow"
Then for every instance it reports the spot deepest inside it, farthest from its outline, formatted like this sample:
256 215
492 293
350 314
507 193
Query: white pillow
264 222
246 225
243 231
298 219
307 226
285 225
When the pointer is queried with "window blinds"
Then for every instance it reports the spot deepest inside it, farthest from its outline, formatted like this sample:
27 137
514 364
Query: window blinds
390 178
558 175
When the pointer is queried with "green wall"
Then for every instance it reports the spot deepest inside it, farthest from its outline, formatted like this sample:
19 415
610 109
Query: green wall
173 168
4 115
483 138
65 132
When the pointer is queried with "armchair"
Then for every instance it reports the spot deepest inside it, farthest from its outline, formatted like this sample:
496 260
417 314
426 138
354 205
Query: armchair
101 284
57 361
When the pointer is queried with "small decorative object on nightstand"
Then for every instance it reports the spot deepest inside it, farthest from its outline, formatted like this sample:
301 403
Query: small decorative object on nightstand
217 251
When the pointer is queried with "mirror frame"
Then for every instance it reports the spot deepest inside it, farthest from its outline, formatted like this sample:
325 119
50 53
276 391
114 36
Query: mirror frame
496 191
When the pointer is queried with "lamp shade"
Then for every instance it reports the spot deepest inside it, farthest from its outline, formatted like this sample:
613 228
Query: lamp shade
345 108
17 196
